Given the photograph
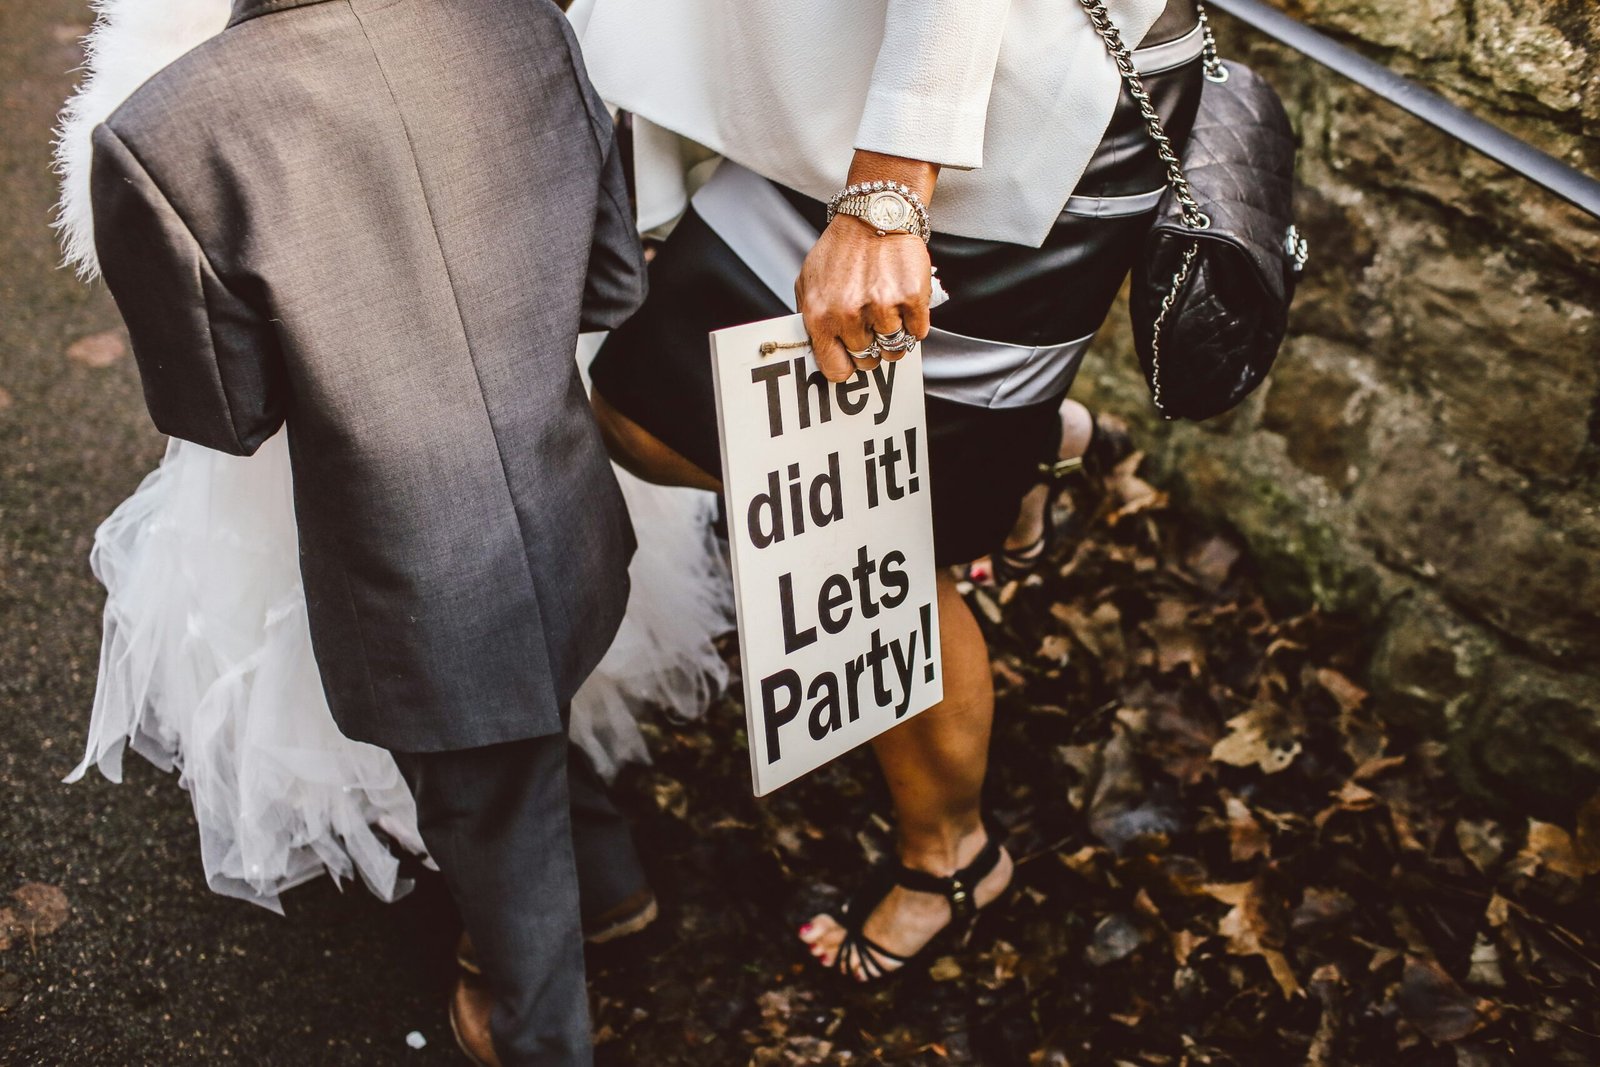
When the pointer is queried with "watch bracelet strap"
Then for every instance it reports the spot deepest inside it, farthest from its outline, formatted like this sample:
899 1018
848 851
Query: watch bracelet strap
856 206
853 201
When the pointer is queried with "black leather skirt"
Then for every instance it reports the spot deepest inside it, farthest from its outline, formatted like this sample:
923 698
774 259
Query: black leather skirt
655 370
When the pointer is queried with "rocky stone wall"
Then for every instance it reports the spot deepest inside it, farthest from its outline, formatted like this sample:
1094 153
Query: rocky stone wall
1427 452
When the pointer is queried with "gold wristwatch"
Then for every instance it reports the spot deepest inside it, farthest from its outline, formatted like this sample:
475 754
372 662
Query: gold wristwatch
888 207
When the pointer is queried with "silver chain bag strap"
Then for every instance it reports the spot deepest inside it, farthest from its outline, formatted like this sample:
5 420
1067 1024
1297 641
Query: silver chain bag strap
1211 290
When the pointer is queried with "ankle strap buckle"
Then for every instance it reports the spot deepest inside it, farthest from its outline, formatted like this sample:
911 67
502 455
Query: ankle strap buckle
1061 468
960 897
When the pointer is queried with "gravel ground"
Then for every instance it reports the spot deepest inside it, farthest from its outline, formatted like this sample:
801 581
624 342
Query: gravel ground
149 967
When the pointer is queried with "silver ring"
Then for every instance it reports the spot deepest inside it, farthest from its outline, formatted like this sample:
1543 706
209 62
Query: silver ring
899 341
870 352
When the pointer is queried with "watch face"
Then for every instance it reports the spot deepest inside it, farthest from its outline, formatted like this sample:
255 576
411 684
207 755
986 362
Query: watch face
888 211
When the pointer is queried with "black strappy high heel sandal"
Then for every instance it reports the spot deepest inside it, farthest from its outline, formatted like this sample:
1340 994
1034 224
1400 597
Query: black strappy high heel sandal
1014 564
959 889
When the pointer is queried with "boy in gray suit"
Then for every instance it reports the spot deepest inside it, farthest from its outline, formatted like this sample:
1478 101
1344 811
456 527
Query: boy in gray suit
382 224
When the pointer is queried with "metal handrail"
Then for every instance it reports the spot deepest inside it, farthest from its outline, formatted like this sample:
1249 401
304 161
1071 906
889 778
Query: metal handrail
1569 183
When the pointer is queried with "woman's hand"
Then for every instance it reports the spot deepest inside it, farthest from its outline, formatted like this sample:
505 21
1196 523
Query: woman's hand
855 284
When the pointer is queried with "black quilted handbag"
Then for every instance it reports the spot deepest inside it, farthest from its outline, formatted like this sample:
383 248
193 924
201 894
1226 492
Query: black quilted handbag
1211 289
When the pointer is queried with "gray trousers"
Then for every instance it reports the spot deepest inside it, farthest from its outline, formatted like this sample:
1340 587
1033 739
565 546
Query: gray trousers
528 843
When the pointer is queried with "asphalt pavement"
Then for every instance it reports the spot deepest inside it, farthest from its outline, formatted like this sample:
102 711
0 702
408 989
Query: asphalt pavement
148 966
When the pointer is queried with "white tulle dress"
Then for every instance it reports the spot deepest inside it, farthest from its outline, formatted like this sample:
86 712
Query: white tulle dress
206 669
206 666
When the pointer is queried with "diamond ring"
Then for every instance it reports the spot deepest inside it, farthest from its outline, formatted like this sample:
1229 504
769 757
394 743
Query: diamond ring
899 341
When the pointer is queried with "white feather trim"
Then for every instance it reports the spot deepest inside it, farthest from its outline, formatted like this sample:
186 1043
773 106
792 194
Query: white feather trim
130 41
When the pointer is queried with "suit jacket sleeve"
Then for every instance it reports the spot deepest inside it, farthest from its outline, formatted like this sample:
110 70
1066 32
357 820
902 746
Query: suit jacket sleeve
929 96
211 365
615 286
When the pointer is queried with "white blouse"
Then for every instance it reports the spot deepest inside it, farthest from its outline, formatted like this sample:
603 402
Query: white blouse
1011 97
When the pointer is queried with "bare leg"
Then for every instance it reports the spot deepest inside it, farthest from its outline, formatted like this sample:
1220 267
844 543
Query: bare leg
643 454
935 766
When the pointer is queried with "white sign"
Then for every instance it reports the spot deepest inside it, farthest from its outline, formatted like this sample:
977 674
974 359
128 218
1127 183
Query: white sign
826 487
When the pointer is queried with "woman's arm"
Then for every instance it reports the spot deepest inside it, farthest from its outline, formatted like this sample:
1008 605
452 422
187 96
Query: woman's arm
854 283
925 109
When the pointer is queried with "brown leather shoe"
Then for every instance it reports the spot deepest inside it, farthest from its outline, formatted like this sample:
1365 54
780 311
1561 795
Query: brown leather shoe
628 918
631 916
469 1020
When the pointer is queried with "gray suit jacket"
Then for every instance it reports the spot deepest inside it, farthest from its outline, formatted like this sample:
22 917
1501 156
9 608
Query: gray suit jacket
382 222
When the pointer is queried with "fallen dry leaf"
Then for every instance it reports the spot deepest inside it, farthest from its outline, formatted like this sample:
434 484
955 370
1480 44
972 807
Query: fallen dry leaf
1177 640
1257 738
1482 842
1347 694
1405 830
1327 985
1212 561
69 33
1249 930
1321 907
1100 631
1183 944
1115 937
1082 862
1381 958
1055 649
1485 969
671 797
1130 493
1586 841
1377 767
1364 738
1246 838
1005 958
97 349
987 605
1552 849
1350 797
1436 1005
40 910
1121 809
1146 906
10 991
1181 740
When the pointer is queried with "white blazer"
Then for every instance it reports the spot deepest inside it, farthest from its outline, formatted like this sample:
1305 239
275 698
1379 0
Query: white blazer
1010 97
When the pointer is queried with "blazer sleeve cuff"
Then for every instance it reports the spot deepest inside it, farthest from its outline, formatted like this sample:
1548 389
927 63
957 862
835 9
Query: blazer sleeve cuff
929 94
910 124
199 350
